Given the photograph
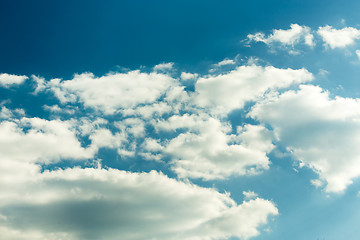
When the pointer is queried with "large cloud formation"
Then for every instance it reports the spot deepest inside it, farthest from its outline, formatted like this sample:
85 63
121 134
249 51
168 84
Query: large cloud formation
323 133
207 150
153 116
226 92
112 204
97 203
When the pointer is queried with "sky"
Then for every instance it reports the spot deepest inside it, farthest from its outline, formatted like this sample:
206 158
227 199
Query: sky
195 120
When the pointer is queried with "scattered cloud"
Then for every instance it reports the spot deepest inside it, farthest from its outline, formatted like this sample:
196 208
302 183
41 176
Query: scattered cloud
290 37
226 92
111 204
225 62
250 195
322 133
9 80
112 92
338 38
164 66
207 150
188 76
40 141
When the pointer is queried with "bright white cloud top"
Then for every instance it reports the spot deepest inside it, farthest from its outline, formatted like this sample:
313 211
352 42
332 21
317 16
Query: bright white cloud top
226 92
295 35
322 133
9 80
338 38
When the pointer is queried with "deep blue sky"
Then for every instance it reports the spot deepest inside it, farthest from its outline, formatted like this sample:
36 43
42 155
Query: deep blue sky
59 38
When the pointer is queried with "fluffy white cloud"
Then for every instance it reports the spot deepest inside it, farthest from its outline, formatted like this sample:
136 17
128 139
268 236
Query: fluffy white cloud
338 38
249 195
149 111
288 37
56 109
322 133
112 92
28 141
225 62
164 66
8 80
225 92
76 204
188 76
5 113
39 140
207 150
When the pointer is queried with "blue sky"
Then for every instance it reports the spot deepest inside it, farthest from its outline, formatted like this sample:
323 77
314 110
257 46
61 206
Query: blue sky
179 120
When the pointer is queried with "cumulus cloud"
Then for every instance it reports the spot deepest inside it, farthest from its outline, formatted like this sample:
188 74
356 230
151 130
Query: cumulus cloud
157 119
226 92
56 109
112 92
249 195
76 204
295 35
322 133
164 66
39 140
225 62
338 38
9 80
188 76
149 111
207 150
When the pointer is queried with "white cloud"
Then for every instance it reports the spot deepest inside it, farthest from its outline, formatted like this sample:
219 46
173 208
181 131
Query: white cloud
112 92
57 109
76 204
39 140
288 37
164 66
188 76
133 126
149 111
226 92
207 150
322 133
40 82
28 141
338 38
104 138
152 150
9 80
225 62
5 113
249 195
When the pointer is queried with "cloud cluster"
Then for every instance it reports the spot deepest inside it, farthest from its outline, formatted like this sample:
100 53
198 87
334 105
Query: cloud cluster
331 37
289 37
322 133
42 198
226 92
90 203
338 38
9 80
111 92
207 150
181 121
